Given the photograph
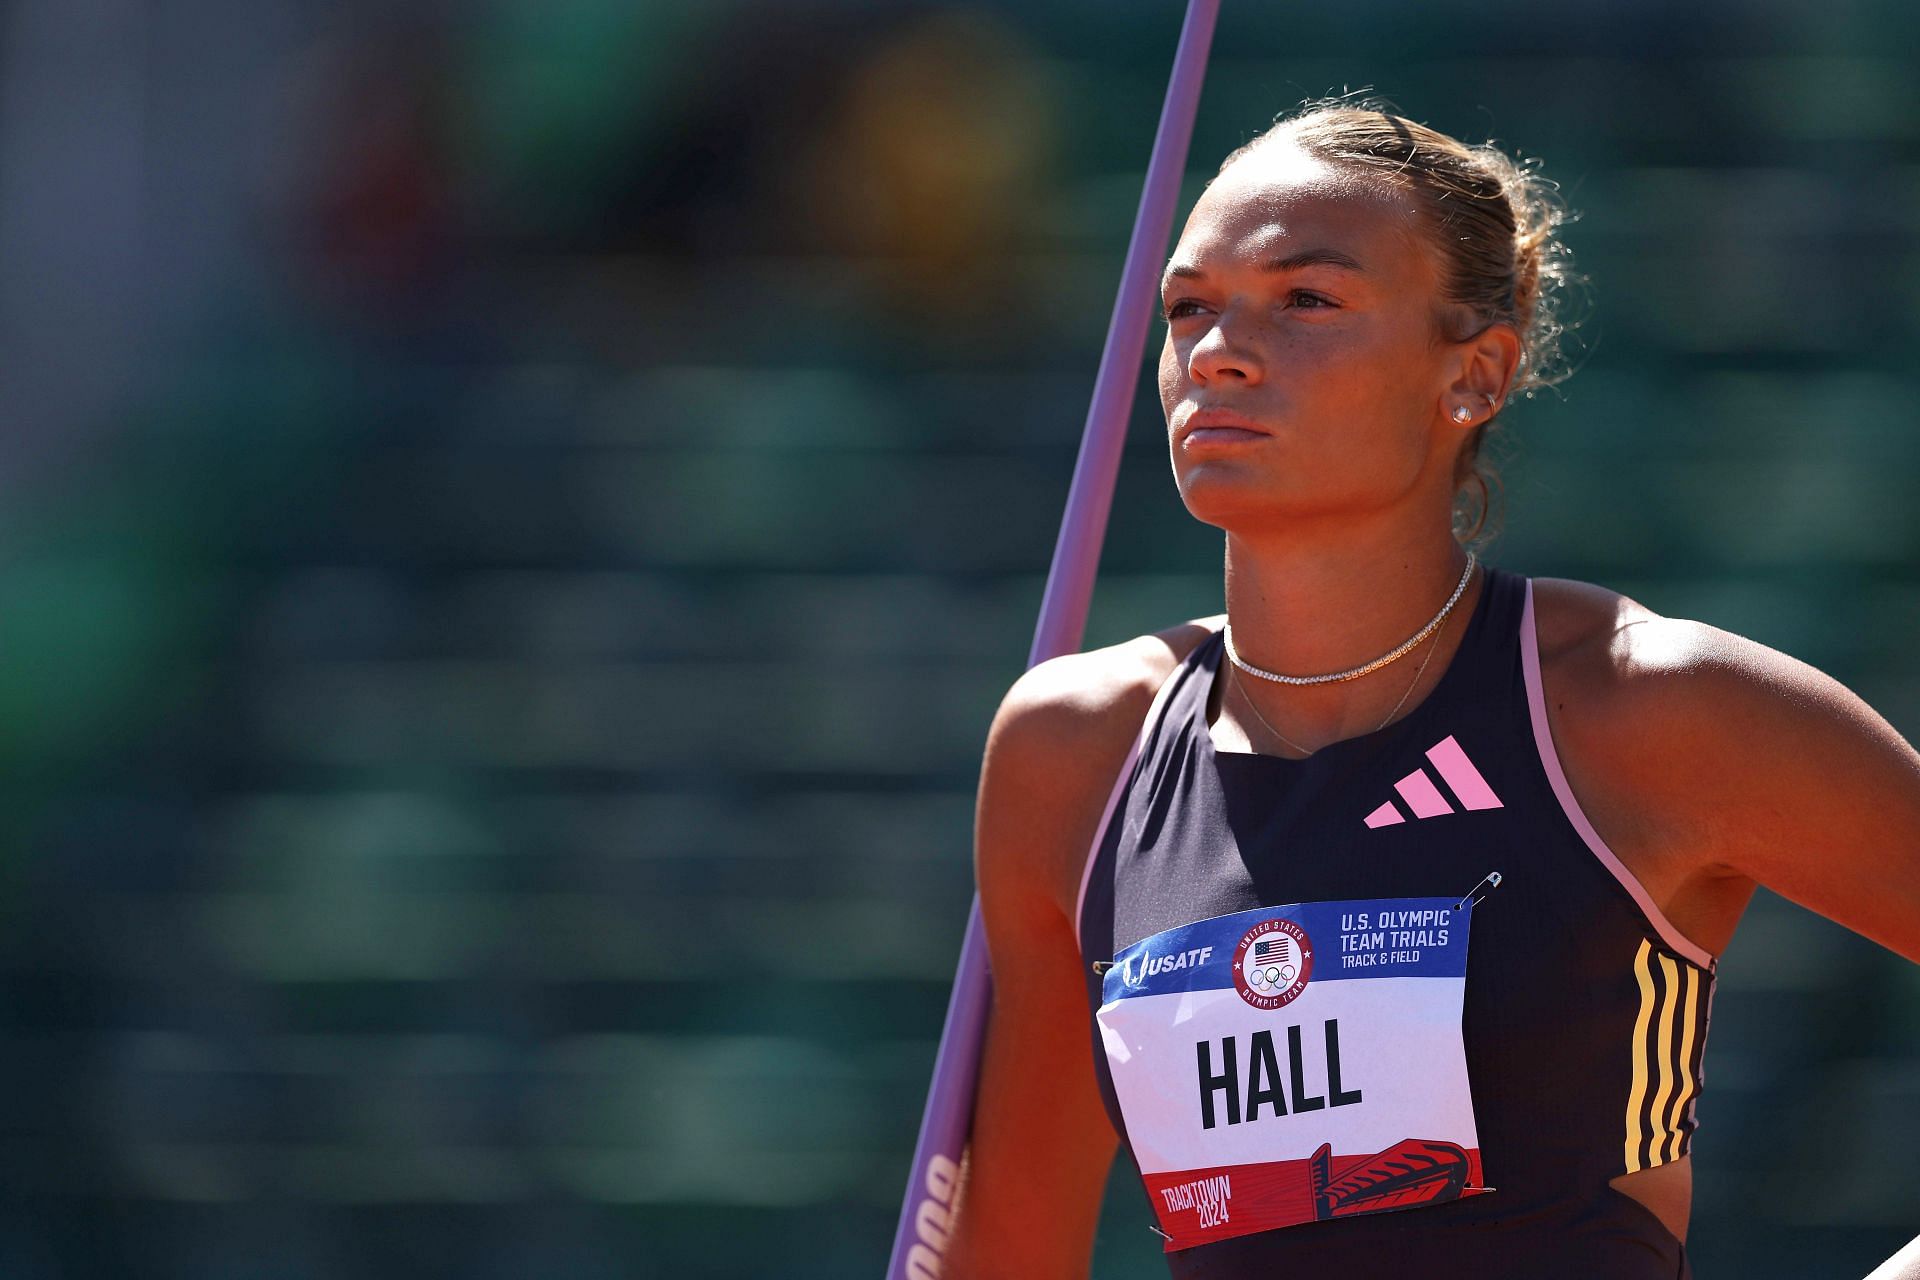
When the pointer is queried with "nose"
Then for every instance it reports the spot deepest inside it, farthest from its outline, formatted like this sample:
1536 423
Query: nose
1221 353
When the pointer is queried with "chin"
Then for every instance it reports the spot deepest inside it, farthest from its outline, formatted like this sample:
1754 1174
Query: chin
1232 503
1246 502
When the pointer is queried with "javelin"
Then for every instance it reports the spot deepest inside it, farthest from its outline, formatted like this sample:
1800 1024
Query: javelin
919 1244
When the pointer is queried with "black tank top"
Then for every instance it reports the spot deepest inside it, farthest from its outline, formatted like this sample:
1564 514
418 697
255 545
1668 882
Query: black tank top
1585 1012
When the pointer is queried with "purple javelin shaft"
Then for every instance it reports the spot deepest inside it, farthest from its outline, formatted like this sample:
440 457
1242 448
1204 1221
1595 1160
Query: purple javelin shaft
920 1242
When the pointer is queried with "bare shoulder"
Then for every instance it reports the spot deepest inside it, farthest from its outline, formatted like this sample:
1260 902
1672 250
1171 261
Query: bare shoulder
1080 698
1704 735
1612 659
1057 742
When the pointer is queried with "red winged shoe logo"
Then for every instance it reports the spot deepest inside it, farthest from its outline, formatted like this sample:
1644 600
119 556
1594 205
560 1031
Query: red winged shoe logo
1410 1172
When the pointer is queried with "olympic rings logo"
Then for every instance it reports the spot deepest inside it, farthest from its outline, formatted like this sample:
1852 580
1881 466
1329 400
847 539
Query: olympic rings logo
1272 978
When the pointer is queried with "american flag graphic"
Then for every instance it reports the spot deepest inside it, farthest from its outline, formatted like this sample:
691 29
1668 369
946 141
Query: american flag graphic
1270 949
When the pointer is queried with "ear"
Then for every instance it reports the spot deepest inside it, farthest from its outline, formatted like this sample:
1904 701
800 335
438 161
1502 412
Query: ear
1481 371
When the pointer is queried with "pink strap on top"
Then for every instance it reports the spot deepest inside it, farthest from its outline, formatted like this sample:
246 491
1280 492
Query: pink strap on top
1113 795
1550 761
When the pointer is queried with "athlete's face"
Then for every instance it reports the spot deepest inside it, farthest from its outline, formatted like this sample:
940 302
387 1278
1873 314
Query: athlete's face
1339 365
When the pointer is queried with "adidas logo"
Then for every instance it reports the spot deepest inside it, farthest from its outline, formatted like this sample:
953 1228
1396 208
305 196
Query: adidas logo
1425 799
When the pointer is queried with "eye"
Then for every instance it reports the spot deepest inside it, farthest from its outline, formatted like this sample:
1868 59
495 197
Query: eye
1307 301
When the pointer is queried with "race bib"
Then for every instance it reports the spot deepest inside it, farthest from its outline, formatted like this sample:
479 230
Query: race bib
1293 1064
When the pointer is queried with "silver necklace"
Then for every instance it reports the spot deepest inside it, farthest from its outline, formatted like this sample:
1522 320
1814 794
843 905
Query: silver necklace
1246 698
1354 673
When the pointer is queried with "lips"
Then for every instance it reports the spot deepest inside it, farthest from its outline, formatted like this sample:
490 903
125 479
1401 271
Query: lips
1206 436
1220 427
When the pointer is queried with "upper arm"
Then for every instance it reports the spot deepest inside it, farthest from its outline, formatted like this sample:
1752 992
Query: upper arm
1808 789
1764 767
1041 1140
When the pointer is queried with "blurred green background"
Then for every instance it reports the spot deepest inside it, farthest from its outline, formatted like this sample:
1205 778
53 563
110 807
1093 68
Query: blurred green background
517 517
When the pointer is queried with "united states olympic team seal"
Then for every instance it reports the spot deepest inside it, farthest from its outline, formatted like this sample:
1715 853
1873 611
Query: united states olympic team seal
1272 963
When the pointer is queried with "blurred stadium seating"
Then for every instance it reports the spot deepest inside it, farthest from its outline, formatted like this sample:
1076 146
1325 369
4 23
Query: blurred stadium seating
517 517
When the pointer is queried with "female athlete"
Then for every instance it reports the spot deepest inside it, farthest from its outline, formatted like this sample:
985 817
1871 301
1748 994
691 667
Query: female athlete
1377 917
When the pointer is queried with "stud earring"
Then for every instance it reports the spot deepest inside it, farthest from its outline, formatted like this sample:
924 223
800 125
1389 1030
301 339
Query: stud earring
1461 413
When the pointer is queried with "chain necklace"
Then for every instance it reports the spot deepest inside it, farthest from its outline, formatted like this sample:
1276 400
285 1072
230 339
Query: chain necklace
1354 673
1247 698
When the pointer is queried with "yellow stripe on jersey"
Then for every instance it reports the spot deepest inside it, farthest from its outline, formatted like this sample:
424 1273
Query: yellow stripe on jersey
1663 1055
1636 1135
1690 1007
1664 1035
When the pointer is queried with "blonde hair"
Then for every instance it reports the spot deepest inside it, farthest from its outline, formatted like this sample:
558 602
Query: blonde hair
1492 222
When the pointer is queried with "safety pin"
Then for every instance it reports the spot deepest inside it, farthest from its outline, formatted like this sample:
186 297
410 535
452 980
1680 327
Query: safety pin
1101 966
1157 1231
1489 881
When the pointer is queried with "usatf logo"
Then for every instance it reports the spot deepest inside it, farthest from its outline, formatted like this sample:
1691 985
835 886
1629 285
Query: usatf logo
1135 970
1272 964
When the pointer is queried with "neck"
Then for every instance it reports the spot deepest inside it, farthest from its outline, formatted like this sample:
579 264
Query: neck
1305 606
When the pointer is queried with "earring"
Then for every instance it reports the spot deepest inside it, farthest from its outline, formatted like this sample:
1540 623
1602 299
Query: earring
1461 413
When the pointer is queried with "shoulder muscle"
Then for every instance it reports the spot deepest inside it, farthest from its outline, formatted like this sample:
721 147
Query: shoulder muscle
1056 744
1747 761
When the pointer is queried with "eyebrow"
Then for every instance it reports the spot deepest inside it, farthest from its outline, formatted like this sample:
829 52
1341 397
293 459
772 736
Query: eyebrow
1274 266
